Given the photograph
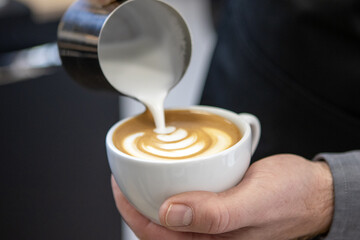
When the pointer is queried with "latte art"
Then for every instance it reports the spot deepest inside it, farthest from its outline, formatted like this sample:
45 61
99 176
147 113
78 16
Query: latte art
194 134
179 144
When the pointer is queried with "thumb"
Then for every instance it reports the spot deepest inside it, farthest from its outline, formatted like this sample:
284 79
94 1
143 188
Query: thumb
207 212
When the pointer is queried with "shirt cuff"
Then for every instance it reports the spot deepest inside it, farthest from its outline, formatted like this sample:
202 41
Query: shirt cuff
345 170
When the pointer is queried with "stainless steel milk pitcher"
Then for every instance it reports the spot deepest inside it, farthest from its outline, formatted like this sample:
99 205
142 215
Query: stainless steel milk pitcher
90 37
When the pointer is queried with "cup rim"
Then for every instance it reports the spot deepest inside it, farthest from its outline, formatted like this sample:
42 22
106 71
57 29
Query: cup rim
214 110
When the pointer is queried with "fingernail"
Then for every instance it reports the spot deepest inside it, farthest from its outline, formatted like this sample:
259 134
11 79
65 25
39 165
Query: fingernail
179 215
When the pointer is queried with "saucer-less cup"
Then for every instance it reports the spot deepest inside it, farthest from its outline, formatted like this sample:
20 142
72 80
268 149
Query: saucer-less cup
148 183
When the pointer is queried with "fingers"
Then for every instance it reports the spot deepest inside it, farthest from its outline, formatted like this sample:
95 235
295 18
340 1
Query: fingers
126 210
142 227
206 212
277 199
273 201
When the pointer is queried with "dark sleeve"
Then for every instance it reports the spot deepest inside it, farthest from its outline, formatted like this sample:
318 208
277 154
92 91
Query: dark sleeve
345 169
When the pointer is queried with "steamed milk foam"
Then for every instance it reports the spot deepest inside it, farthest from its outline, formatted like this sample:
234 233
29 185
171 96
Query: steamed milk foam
146 69
196 134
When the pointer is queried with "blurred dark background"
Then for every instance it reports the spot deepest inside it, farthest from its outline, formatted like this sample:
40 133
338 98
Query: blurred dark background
54 175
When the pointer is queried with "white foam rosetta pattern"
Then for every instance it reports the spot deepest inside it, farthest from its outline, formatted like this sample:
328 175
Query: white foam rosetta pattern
180 144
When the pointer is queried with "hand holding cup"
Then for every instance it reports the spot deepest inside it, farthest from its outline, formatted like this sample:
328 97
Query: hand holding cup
148 182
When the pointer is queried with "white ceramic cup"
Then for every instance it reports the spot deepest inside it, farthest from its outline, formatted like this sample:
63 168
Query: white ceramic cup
148 183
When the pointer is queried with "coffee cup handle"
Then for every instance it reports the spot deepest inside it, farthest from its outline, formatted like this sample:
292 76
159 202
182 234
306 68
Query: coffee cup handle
255 129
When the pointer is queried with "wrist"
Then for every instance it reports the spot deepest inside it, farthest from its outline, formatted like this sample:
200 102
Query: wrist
325 198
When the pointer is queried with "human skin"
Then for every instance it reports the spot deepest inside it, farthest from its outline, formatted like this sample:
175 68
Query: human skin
280 197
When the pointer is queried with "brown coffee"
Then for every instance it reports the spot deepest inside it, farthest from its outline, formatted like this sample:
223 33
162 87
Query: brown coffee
195 134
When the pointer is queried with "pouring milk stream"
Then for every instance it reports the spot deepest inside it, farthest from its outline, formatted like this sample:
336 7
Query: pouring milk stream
141 47
151 79
147 55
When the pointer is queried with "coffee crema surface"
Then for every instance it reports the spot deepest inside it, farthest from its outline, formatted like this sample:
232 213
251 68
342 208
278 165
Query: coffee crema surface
193 133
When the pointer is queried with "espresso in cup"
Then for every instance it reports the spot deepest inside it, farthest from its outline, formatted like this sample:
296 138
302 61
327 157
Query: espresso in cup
192 134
